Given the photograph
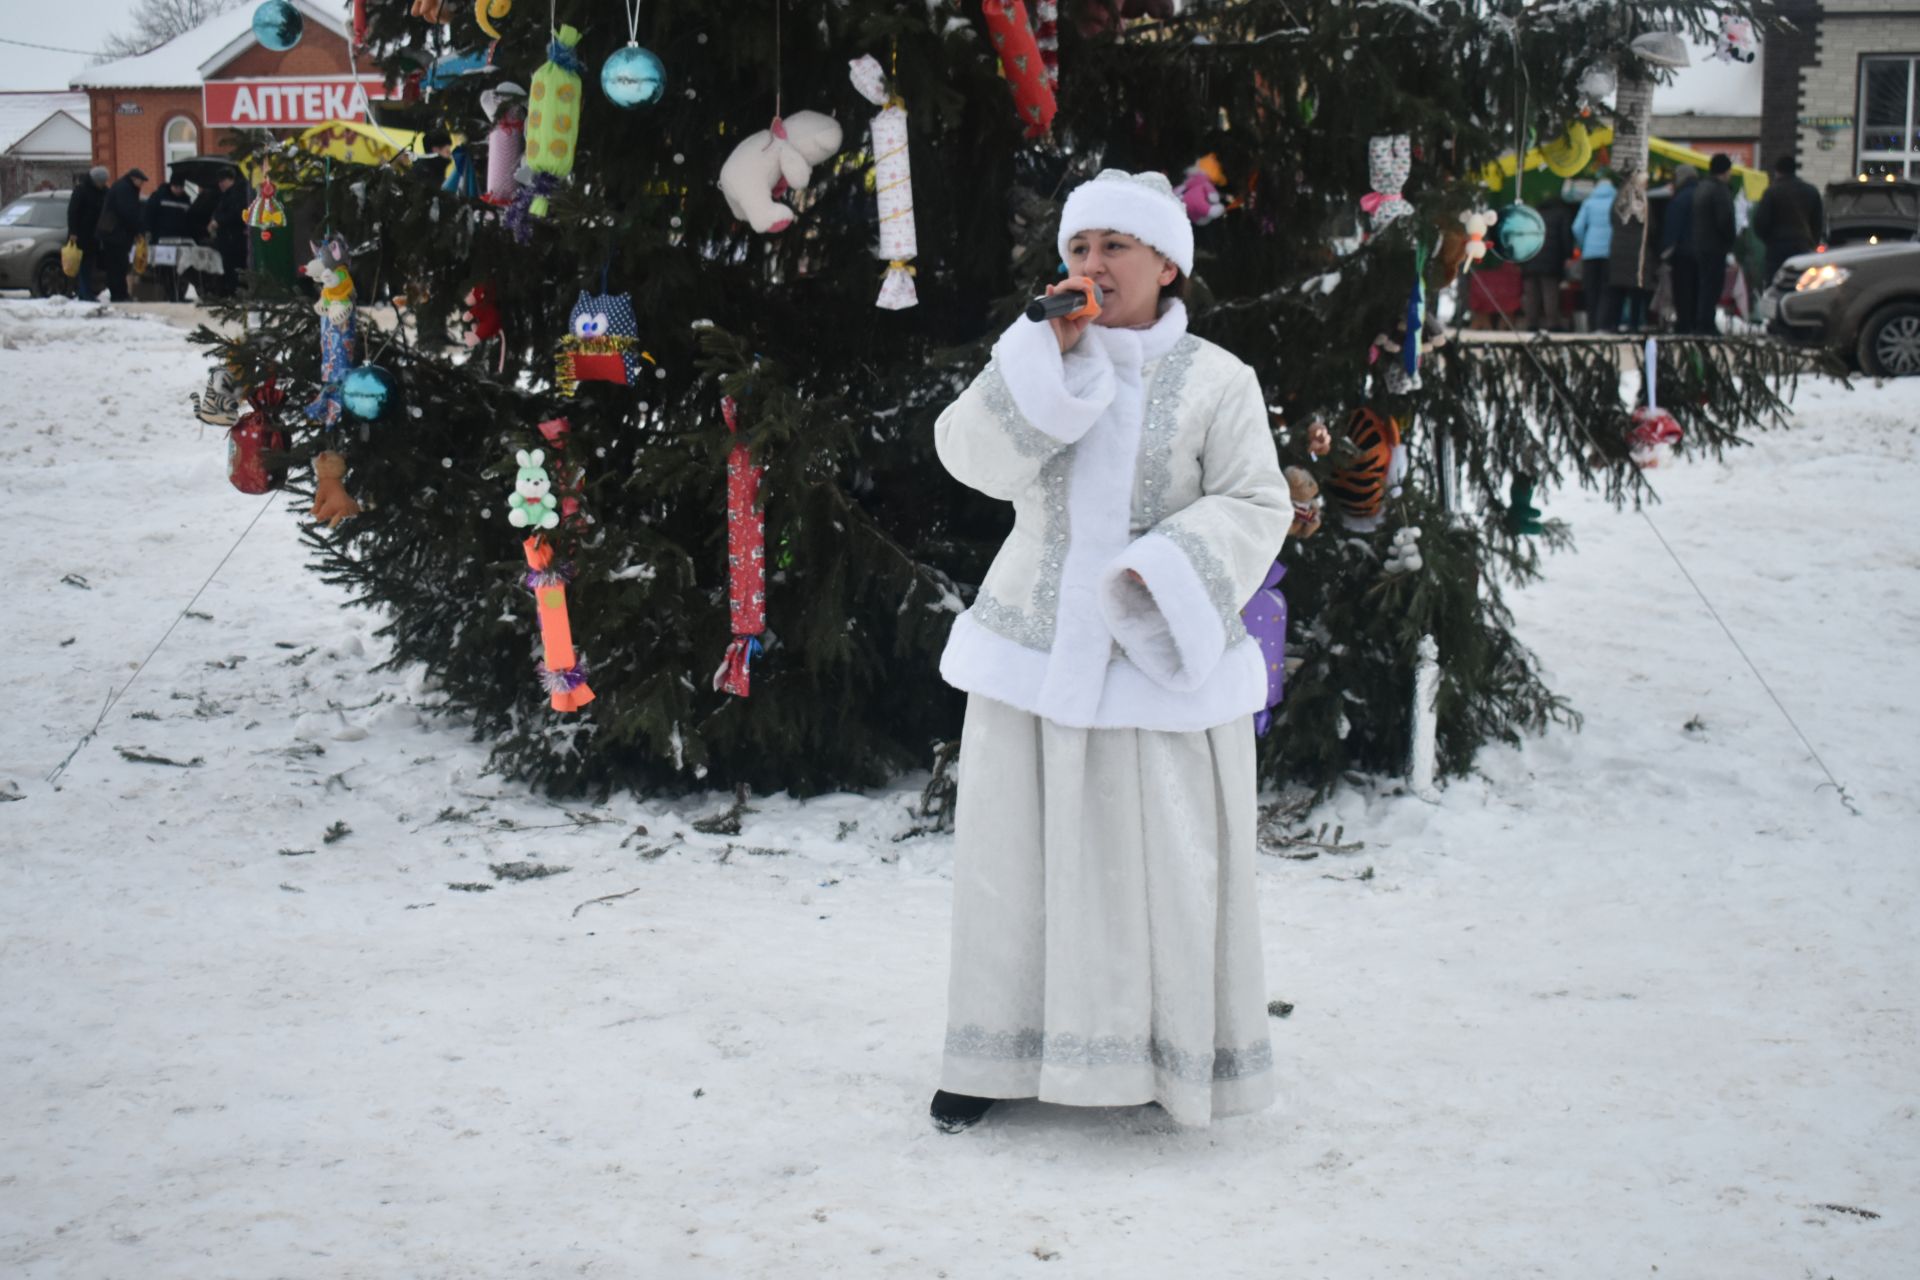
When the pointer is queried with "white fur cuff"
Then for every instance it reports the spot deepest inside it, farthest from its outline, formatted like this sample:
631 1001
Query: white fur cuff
1166 623
1063 397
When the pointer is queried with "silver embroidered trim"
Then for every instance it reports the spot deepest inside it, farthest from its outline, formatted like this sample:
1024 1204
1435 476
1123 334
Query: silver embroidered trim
1065 1049
1213 577
1163 423
1027 440
1015 624
1035 629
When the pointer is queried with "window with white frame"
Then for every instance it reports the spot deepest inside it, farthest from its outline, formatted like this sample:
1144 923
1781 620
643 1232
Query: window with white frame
182 138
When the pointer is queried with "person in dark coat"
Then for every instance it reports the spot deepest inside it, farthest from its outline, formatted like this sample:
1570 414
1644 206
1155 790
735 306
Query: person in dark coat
1712 239
168 209
230 230
1631 272
1540 275
1676 248
83 224
120 225
1790 218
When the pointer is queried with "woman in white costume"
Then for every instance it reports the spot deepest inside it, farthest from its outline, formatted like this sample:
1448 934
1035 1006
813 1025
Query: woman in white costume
1106 942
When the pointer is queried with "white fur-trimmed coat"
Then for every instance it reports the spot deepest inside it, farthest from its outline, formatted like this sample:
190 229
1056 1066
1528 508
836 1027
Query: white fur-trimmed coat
1140 449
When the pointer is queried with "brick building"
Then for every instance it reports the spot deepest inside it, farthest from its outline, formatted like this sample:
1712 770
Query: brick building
1841 89
184 97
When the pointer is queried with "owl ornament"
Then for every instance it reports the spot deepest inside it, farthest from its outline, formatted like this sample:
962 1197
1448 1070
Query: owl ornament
602 343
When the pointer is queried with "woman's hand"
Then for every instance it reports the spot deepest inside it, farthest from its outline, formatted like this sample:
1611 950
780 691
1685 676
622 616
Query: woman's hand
1069 328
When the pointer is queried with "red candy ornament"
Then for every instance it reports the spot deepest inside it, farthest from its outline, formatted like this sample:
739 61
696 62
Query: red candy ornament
1021 63
253 441
746 561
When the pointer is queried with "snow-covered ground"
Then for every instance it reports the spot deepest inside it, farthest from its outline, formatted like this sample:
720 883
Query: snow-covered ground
1638 1001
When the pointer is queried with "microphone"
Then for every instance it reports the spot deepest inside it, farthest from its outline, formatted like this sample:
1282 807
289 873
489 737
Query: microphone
1068 303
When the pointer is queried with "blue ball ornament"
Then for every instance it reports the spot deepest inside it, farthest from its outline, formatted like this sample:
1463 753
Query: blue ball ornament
633 77
278 25
1520 233
367 392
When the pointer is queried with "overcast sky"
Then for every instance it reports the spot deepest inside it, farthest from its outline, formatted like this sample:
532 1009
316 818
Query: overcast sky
71 24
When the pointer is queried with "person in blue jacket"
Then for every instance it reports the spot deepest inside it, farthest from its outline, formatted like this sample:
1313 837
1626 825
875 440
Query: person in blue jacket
1593 232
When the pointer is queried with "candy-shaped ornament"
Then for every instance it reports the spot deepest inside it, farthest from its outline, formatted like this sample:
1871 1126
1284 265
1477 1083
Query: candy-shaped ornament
553 119
330 268
746 562
255 443
1021 64
892 180
506 106
1389 163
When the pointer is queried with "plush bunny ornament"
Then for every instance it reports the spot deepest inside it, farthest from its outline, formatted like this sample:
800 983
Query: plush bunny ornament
532 504
769 163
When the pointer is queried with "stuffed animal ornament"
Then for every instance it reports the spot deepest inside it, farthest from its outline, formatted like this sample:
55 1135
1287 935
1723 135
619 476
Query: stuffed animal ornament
1403 555
767 164
331 502
1199 191
532 504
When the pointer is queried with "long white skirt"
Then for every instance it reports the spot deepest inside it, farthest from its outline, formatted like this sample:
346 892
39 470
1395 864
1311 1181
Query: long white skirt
1106 937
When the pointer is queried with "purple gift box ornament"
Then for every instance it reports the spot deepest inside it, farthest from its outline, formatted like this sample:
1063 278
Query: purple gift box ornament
1266 621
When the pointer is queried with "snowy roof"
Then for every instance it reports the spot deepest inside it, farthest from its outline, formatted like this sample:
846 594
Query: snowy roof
185 60
1710 88
22 113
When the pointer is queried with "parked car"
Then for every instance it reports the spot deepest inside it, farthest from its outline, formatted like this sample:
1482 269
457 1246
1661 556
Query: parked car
1862 301
32 229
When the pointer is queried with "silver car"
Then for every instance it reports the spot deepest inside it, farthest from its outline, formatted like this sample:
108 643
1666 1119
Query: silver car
32 229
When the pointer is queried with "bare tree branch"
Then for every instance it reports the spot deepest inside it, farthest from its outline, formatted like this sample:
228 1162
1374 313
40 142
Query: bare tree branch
154 22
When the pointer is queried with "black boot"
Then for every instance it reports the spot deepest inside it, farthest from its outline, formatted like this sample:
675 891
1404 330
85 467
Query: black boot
953 1112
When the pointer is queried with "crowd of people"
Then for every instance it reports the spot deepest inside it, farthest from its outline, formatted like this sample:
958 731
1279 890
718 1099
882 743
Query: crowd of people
106 220
1646 265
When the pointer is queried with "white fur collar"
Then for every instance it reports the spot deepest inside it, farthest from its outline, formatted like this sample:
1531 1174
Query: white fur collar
1132 348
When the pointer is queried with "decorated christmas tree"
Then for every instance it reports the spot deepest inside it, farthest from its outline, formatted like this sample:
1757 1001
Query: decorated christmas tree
675 519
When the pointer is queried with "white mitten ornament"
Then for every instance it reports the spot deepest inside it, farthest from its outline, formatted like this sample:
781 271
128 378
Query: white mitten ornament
769 163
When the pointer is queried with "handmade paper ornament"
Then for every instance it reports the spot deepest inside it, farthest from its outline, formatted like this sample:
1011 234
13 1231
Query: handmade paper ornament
746 561
505 105
1389 162
487 12
219 404
1661 48
1265 618
1199 191
1307 502
1737 42
255 444
532 504
553 118
766 164
331 502
892 186
329 268
1046 36
278 26
1360 488
562 668
602 343
368 392
272 241
1654 430
1020 63
1520 234
569 482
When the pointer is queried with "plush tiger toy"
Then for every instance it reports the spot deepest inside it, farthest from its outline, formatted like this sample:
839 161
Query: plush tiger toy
1360 488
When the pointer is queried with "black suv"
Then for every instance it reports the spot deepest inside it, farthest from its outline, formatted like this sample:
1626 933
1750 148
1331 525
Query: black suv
1860 294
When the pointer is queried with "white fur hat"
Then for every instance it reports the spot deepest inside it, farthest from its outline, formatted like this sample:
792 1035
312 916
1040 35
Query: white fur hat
1141 204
